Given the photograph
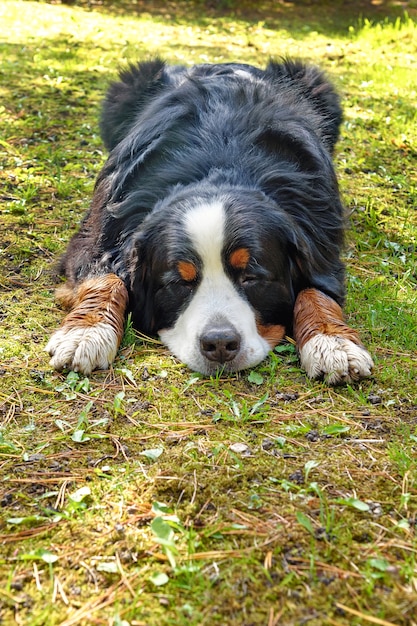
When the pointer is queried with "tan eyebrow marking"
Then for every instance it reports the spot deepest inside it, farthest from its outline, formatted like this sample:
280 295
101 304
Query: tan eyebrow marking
187 270
239 258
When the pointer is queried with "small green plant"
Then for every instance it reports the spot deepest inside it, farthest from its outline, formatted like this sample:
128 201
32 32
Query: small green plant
78 501
177 543
73 384
241 411
129 336
5 445
82 432
377 571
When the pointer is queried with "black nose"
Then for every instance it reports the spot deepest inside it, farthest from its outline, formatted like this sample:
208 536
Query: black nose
220 344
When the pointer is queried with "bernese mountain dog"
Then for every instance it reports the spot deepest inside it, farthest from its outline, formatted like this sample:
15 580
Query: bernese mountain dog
216 222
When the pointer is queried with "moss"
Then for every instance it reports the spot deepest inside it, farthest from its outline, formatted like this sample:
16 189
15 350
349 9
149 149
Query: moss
314 519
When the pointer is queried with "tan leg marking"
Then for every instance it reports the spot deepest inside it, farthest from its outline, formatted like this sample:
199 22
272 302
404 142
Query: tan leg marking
91 333
327 346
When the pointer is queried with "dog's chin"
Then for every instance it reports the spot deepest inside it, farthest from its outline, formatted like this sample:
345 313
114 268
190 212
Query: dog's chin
208 368
197 362
249 356
184 343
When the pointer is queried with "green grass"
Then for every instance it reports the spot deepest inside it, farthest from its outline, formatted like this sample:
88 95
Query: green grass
148 495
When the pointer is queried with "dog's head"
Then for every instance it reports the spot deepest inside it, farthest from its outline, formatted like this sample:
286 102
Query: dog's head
213 273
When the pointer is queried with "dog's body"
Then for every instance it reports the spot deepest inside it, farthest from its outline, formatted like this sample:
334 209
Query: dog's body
216 222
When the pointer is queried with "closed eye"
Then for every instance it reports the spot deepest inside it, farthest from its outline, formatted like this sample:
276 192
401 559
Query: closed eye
182 283
187 284
249 279
254 275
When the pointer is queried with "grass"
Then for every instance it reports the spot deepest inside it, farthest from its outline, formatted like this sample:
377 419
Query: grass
148 495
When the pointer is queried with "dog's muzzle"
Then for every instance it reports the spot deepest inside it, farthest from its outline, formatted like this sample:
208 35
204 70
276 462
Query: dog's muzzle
220 344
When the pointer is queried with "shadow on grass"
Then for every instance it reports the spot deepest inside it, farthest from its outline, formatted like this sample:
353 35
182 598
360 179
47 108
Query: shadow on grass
328 17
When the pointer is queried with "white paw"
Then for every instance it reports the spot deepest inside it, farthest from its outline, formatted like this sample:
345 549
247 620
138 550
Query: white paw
337 359
83 349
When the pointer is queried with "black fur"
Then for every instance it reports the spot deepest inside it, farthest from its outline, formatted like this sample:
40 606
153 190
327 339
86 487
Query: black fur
260 141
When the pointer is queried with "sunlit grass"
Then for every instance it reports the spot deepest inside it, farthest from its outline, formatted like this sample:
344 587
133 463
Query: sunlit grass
149 495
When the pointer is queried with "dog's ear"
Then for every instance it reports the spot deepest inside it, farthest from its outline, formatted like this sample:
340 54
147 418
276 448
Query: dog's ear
315 87
139 280
126 98
293 144
312 266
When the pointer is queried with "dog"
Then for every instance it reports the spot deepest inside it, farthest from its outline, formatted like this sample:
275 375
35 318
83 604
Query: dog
216 222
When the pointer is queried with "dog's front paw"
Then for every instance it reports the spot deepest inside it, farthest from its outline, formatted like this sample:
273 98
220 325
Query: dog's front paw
83 349
337 359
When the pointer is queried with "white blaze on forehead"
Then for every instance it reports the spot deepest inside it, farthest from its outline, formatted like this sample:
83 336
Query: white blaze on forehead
216 298
205 227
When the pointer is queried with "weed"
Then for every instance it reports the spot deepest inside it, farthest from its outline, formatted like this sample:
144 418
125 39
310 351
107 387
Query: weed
241 411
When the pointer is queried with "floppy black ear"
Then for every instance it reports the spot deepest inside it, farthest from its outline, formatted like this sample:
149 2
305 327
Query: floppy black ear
126 98
314 85
315 267
313 255
140 287
292 144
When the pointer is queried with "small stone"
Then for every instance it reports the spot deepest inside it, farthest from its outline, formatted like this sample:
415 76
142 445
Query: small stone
375 508
297 477
239 448
312 435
